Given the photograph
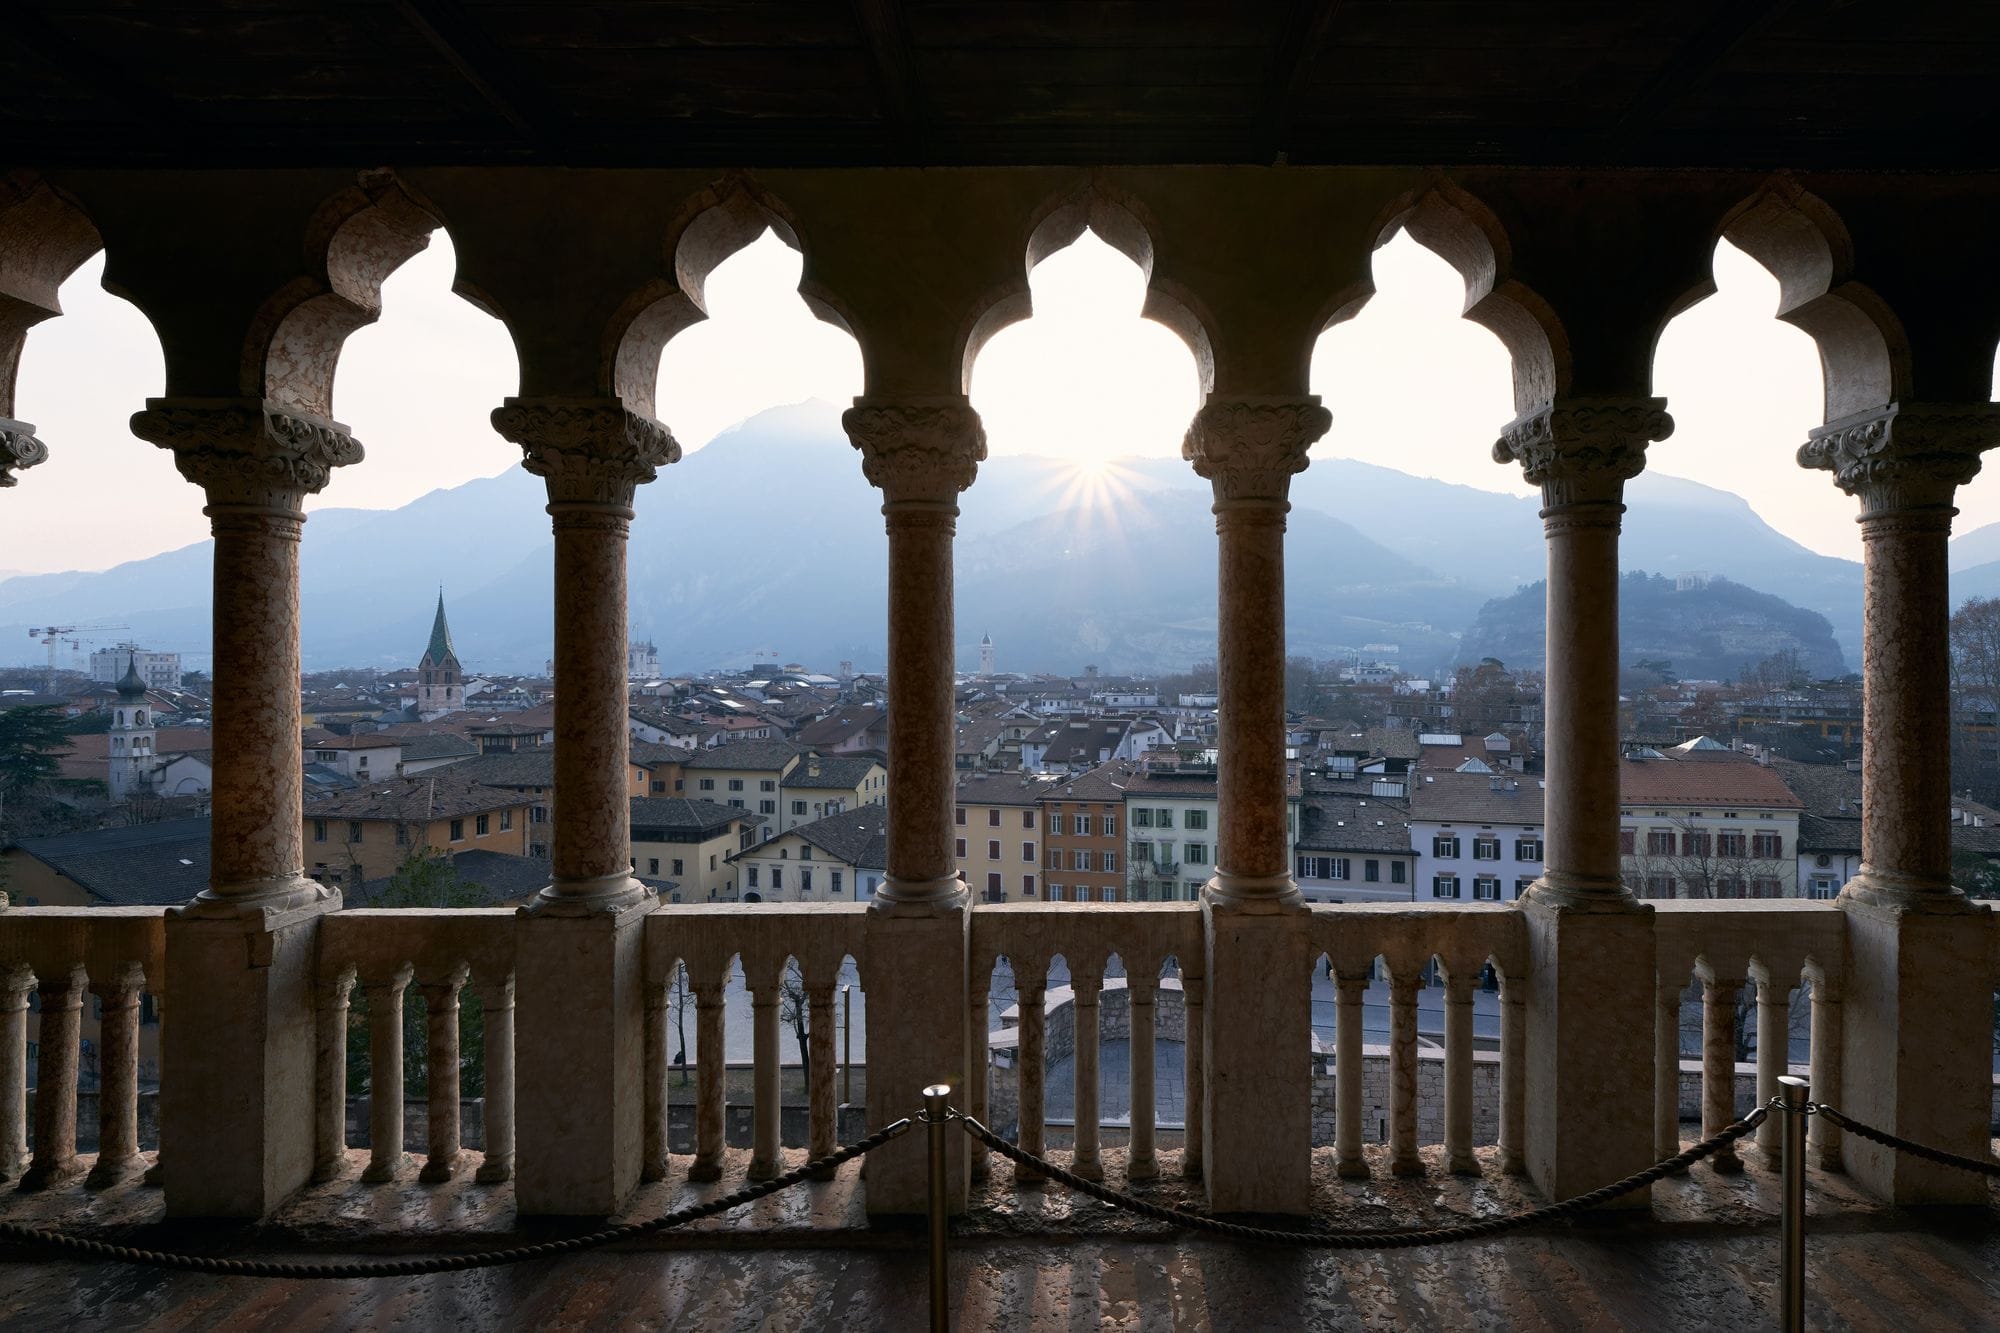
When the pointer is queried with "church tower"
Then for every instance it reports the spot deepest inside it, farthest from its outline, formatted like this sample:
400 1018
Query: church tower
440 681
986 654
131 739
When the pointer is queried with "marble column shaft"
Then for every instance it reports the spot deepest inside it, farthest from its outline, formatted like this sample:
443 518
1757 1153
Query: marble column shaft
1917 1022
1590 944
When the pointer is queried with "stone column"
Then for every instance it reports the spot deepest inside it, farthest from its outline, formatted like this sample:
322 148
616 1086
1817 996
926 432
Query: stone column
822 1129
1403 1157
1458 1071
15 983
1141 989
330 1077
496 999
580 1095
1827 1025
55 1161
386 1158
1258 1120
1086 984
445 1135
1350 990
239 1108
118 1077
1918 1022
1774 1040
1719 995
921 453
1590 943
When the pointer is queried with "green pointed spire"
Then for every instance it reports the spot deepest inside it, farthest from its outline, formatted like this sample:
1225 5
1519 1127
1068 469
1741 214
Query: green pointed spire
440 650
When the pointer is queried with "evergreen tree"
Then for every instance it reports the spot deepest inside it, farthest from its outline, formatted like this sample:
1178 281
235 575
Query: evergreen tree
32 740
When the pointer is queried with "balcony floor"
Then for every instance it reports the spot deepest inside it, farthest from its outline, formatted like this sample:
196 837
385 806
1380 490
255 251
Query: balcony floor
1706 1256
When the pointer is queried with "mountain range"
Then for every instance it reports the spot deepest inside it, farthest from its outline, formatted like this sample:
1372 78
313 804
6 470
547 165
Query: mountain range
770 541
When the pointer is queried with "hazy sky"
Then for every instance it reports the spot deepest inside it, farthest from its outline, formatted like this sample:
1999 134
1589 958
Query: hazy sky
1411 386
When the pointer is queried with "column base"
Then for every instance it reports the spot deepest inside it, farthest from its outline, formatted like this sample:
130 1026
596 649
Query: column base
383 1173
438 1170
590 897
1257 1033
579 1052
1253 895
914 971
491 1172
113 1170
238 1108
1591 961
51 1175
1917 1037
275 898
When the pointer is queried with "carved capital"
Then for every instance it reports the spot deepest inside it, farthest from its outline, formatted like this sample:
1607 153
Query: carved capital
1584 450
1249 448
1906 457
19 449
248 452
917 449
588 450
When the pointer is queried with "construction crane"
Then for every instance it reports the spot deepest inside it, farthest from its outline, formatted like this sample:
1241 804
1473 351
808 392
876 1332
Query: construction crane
52 635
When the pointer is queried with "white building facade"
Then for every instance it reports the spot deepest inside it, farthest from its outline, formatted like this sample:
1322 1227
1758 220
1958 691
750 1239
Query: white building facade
1478 837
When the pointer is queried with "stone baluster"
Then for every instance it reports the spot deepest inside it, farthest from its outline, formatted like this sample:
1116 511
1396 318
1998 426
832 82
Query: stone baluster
763 981
239 1108
977 1069
654 1155
1513 1072
1917 1031
1030 989
59 1058
1194 990
1667 1065
711 1075
1087 984
1774 1042
15 983
385 1076
446 1136
1259 1144
922 453
1719 995
1142 985
1350 989
580 935
1404 979
496 1002
1826 1052
332 997
1590 942
1458 986
118 1076
822 1126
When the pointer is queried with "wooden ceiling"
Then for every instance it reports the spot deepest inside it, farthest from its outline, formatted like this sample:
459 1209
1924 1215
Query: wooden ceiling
1804 83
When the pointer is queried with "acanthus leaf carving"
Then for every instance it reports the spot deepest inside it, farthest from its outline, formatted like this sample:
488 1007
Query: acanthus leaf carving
19 450
1584 450
1250 448
248 452
917 449
1904 458
588 450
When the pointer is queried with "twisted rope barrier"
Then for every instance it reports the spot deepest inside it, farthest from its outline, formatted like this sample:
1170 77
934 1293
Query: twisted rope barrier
1372 1240
1981 1166
453 1263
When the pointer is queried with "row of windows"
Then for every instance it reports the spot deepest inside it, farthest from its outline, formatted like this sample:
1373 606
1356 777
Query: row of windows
482 825
1160 817
1082 858
1445 847
836 879
1341 867
1084 826
1723 886
993 850
1763 845
1062 893
993 818
1485 888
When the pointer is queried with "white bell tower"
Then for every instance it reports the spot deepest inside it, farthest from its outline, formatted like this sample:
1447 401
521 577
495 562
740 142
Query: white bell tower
132 733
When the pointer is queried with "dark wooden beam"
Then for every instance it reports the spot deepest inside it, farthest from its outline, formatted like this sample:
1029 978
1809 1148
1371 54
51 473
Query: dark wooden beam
129 90
1307 29
1730 24
490 72
892 68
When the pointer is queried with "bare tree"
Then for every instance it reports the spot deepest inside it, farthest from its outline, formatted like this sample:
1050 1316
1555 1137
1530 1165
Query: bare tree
1702 861
679 997
793 1005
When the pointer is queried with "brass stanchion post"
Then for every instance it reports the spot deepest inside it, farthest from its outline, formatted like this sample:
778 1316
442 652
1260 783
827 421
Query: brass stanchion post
1794 1093
937 1116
